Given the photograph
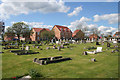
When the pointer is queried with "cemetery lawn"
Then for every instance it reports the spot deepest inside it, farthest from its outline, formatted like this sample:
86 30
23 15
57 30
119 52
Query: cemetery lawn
79 67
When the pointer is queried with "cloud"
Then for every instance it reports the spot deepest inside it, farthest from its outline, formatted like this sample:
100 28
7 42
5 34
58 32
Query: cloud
110 0
16 8
82 23
75 11
111 18
6 28
106 30
36 24
63 0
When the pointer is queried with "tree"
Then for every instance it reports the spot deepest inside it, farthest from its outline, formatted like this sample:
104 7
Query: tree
95 31
20 29
9 32
47 35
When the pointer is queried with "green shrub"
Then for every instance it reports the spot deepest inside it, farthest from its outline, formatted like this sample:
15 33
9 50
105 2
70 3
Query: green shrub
34 74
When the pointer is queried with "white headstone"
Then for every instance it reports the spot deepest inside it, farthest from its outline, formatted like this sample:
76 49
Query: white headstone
27 48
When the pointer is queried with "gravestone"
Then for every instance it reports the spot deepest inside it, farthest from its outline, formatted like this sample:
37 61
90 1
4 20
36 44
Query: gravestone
85 53
52 58
81 41
62 46
16 44
27 48
59 49
35 59
92 40
37 47
40 44
54 47
11 43
48 48
41 62
22 46
108 44
102 42
93 60
33 46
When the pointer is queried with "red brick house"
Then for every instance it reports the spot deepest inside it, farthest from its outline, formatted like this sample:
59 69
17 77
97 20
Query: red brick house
62 32
8 38
36 33
117 35
78 34
11 38
94 36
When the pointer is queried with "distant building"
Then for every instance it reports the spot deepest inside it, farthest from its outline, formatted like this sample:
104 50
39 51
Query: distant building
94 36
62 32
12 38
8 38
78 34
117 35
36 33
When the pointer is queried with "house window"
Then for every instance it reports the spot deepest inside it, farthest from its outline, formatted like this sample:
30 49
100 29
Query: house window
38 38
38 33
61 29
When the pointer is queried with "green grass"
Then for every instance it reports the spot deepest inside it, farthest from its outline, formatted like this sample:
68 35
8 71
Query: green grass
79 67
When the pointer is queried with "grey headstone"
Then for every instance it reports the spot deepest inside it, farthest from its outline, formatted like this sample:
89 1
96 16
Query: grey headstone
48 48
33 46
93 60
59 49
37 47
22 46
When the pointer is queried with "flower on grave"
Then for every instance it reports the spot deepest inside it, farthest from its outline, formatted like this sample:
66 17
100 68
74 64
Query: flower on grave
13 77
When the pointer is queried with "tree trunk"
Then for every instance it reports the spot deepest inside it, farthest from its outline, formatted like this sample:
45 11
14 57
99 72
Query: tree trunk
18 38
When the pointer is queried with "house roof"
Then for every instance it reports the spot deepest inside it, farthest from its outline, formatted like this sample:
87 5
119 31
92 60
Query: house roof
39 29
63 27
47 29
75 32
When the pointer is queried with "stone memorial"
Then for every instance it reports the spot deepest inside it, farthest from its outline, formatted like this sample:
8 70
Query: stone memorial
59 49
54 47
108 44
23 47
27 48
33 46
85 53
48 48
37 47
93 60
62 46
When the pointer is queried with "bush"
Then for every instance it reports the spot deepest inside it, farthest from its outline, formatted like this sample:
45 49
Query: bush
34 74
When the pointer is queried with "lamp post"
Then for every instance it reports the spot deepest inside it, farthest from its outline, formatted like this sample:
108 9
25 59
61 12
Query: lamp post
2 28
